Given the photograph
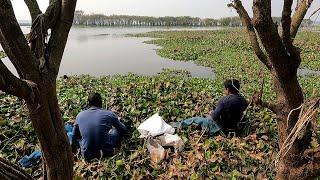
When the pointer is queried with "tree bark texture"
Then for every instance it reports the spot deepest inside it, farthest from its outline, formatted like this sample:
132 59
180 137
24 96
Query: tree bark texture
37 76
282 59
9 171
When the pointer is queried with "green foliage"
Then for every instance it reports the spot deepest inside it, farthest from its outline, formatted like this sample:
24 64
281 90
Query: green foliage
176 96
135 98
81 18
309 43
124 20
229 53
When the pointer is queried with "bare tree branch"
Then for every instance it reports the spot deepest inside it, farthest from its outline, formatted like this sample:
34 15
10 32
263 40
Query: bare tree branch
298 17
286 23
246 20
13 172
294 52
314 12
52 13
13 85
60 34
272 107
11 55
257 100
269 35
263 10
39 31
14 43
33 8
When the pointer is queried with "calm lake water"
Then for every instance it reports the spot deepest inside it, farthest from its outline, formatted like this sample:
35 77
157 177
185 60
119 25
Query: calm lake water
102 51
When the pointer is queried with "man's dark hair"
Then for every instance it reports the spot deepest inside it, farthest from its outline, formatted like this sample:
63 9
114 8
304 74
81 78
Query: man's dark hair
233 85
95 99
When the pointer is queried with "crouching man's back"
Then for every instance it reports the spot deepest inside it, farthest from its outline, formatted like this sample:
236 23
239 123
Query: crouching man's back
97 130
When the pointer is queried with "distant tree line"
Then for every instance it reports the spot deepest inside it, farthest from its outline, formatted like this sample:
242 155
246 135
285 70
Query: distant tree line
124 20
304 23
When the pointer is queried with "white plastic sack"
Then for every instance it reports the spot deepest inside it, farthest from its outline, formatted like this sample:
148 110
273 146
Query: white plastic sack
172 141
154 126
157 152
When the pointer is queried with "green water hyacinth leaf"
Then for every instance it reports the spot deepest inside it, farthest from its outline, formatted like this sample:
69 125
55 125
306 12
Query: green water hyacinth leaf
176 96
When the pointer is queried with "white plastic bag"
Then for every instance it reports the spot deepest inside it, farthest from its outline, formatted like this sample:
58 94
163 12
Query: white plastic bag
172 141
154 126
157 152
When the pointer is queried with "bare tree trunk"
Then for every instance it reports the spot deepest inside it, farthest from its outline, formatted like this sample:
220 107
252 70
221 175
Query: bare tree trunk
283 59
53 140
289 96
293 165
38 67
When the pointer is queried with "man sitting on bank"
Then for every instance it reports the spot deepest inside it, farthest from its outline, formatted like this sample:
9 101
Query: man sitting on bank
97 130
230 108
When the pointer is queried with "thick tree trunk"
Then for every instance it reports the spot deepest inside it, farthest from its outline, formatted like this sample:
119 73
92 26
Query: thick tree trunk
54 144
38 65
289 97
282 58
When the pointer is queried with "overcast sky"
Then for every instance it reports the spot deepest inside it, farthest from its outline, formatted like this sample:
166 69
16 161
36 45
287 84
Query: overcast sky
195 8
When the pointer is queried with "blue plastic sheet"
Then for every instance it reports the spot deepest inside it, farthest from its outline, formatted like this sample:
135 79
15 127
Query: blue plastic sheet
208 124
69 129
32 159
29 161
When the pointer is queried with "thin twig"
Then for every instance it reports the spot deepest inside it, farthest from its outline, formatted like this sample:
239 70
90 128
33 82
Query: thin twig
203 131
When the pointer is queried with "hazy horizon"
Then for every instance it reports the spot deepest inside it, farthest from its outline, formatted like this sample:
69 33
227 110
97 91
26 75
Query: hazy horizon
205 9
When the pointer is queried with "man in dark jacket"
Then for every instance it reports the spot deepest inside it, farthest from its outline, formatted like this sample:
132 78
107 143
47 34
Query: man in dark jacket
229 111
97 130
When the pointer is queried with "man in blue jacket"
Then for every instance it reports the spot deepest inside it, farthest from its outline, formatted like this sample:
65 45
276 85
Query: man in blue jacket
97 130
230 108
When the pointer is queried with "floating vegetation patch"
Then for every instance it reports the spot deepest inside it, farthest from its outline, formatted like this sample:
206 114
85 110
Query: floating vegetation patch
135 98
175 97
